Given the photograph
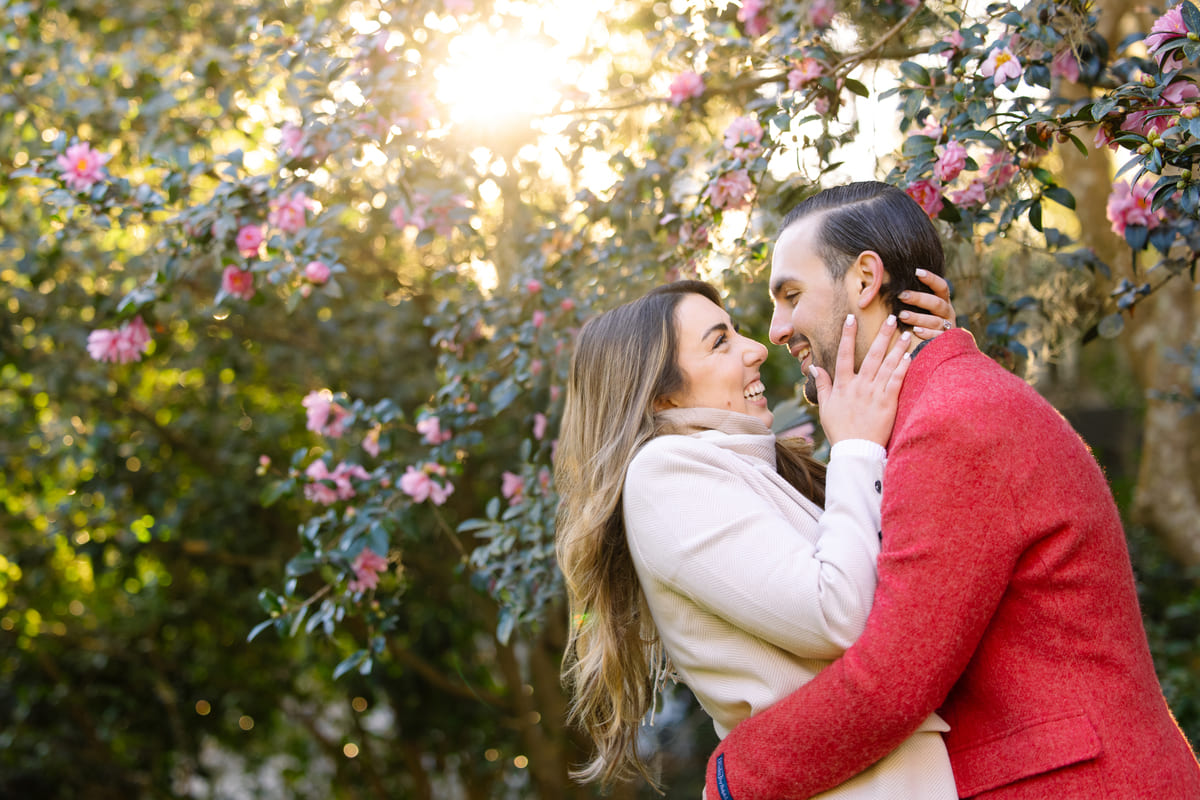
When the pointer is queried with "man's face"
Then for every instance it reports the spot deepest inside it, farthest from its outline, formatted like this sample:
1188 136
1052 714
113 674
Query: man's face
810 308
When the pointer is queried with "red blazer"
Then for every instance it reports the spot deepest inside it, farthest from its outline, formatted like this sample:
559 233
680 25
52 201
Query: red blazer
1006 602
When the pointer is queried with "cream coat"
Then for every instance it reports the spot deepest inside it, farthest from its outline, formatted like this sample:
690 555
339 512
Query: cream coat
752 588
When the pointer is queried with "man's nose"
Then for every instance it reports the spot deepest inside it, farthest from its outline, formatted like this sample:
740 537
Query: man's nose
781 328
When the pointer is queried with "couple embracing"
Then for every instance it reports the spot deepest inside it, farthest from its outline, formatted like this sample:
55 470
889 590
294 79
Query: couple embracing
946 609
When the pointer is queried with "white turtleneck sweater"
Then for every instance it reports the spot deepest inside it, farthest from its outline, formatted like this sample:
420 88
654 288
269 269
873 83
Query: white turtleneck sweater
753 589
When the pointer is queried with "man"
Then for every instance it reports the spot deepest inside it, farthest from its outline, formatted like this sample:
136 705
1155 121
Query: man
1006 599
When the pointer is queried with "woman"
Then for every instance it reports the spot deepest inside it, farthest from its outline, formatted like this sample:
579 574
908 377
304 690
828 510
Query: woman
686 527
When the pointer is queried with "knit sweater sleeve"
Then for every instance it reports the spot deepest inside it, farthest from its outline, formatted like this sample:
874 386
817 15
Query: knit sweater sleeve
950 547
700 526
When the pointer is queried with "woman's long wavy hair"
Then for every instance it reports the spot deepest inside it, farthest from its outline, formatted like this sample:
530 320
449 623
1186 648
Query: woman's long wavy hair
624 360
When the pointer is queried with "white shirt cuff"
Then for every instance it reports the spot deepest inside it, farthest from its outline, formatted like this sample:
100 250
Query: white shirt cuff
859 447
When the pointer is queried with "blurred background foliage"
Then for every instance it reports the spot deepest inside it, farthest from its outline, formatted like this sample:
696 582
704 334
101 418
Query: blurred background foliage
155 511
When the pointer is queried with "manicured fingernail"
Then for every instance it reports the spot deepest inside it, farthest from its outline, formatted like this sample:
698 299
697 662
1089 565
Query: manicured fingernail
812 370
905 315
907 355
904 337
906 295
918 331
849 320
891 320
920 273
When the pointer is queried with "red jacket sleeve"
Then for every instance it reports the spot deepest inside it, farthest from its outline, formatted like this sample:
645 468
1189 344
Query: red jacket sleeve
950 544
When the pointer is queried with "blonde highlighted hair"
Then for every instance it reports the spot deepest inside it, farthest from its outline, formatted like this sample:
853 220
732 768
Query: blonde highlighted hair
624 360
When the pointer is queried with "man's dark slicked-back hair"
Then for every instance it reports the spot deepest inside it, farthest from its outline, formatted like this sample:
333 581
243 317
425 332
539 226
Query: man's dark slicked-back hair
870 215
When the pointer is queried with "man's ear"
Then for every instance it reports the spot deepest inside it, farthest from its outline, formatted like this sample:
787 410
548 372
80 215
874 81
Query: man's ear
868 276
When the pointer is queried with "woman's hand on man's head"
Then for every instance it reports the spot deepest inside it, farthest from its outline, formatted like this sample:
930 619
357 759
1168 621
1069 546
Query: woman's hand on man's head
940 317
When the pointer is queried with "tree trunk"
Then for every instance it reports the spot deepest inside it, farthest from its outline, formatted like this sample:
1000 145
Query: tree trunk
1167 493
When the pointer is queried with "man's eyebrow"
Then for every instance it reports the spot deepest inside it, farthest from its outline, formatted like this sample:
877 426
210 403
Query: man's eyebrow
778 284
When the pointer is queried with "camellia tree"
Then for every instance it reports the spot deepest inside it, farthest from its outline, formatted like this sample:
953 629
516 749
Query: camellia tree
314 268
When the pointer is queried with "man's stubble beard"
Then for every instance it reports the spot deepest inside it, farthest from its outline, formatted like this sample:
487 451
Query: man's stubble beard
824 351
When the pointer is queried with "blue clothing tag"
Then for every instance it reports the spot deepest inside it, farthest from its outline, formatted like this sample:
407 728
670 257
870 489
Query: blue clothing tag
722 783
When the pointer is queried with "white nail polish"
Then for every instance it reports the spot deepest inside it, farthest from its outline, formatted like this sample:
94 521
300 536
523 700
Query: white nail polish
849 320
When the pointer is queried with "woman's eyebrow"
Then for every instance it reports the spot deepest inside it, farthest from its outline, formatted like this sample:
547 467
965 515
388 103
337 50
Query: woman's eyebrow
720 326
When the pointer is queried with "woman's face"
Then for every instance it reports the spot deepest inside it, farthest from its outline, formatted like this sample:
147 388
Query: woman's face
719 365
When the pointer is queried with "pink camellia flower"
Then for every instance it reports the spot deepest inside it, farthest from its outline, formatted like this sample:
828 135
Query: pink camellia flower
567 304
538 318
238 282
82 167
420 486
956 40
1104 138
744 136
1130 205
399 216
932 128
731 190
431 431
318 489
121 345
555 393
686 86
324 416
1065 65
512 486
999 169
370 442
973 195
753 16
533 286
341 476
367 566
951 161
249 239
1174 95
291 140
289 213
316 272
804 71
440 211
539 425
102 344
820 13
928 195
135 340
1001 66
1166 28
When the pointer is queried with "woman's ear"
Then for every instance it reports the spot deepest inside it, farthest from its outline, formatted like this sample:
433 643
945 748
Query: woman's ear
869 276
662 404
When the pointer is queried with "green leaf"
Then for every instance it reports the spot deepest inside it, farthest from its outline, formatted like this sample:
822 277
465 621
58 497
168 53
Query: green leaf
1060 195
916 73
504 627
259 628
1035 215
857 87
1191 16
918 145
355 659
1137 236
